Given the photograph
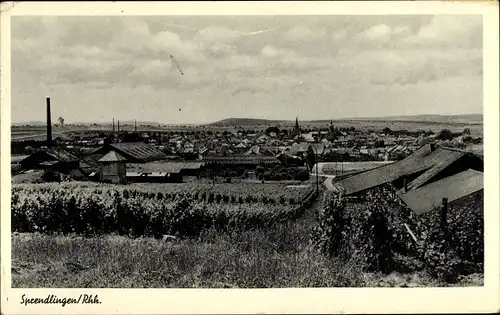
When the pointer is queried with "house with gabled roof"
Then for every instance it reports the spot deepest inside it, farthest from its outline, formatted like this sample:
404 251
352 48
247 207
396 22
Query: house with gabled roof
113 168
51 158
424 166
454 188
134 152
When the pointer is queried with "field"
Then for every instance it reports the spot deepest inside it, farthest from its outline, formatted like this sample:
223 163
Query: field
455 123
153 210
163 235
275 257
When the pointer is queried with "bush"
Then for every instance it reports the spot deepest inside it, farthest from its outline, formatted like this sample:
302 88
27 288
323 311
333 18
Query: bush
327 235
302 175
374 230
50 176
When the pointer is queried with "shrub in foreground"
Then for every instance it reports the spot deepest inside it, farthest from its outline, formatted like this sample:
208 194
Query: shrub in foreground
374 230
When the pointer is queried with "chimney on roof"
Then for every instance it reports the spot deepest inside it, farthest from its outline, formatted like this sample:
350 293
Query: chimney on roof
49 125
405 184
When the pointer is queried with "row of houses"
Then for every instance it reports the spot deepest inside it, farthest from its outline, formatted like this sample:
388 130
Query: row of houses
106 164
135 162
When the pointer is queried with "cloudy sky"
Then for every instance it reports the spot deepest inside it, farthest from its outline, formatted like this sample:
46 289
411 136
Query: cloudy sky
275 67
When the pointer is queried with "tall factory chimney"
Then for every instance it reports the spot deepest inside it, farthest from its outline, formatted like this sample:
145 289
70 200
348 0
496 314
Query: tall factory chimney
118 126
49 124
113 124
135 123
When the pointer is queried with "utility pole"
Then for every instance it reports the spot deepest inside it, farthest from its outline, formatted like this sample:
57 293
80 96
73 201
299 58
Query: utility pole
444 214
49 124
316 160
213 174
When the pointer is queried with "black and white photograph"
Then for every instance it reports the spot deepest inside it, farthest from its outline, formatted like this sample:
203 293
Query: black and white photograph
246 151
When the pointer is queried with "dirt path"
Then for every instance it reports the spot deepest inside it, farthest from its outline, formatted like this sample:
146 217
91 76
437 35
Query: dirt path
309 216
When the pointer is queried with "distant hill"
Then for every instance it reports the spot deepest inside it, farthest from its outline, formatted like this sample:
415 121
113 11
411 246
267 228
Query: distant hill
448 119
245 122
99 123
469 118
445 119
122 123
29 123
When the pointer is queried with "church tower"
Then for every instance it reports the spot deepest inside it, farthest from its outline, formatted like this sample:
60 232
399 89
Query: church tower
296 128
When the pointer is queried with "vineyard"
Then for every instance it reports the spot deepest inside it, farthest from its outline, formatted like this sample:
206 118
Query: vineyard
247 193
153 210
374 232
257 224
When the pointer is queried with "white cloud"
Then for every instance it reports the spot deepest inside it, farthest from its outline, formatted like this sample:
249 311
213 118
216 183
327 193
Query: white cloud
337 60
404 67
304 34
443 27
377 32
220 49
217 34
383 33
272 52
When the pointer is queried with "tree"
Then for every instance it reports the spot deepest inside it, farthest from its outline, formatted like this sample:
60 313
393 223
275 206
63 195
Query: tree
387 131
61 121
379 144
276 130
445 134
310 158
466 131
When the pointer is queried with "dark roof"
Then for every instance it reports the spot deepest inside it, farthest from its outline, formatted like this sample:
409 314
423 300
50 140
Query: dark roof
134 152
258 150
165 167
318 148
62 155
349 167
299 147
247 159
17 158
444 162
430 197
420 161
49 163
61 137
53 154
92 160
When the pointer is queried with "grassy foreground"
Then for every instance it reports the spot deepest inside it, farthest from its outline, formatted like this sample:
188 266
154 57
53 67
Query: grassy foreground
272 258
277 257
